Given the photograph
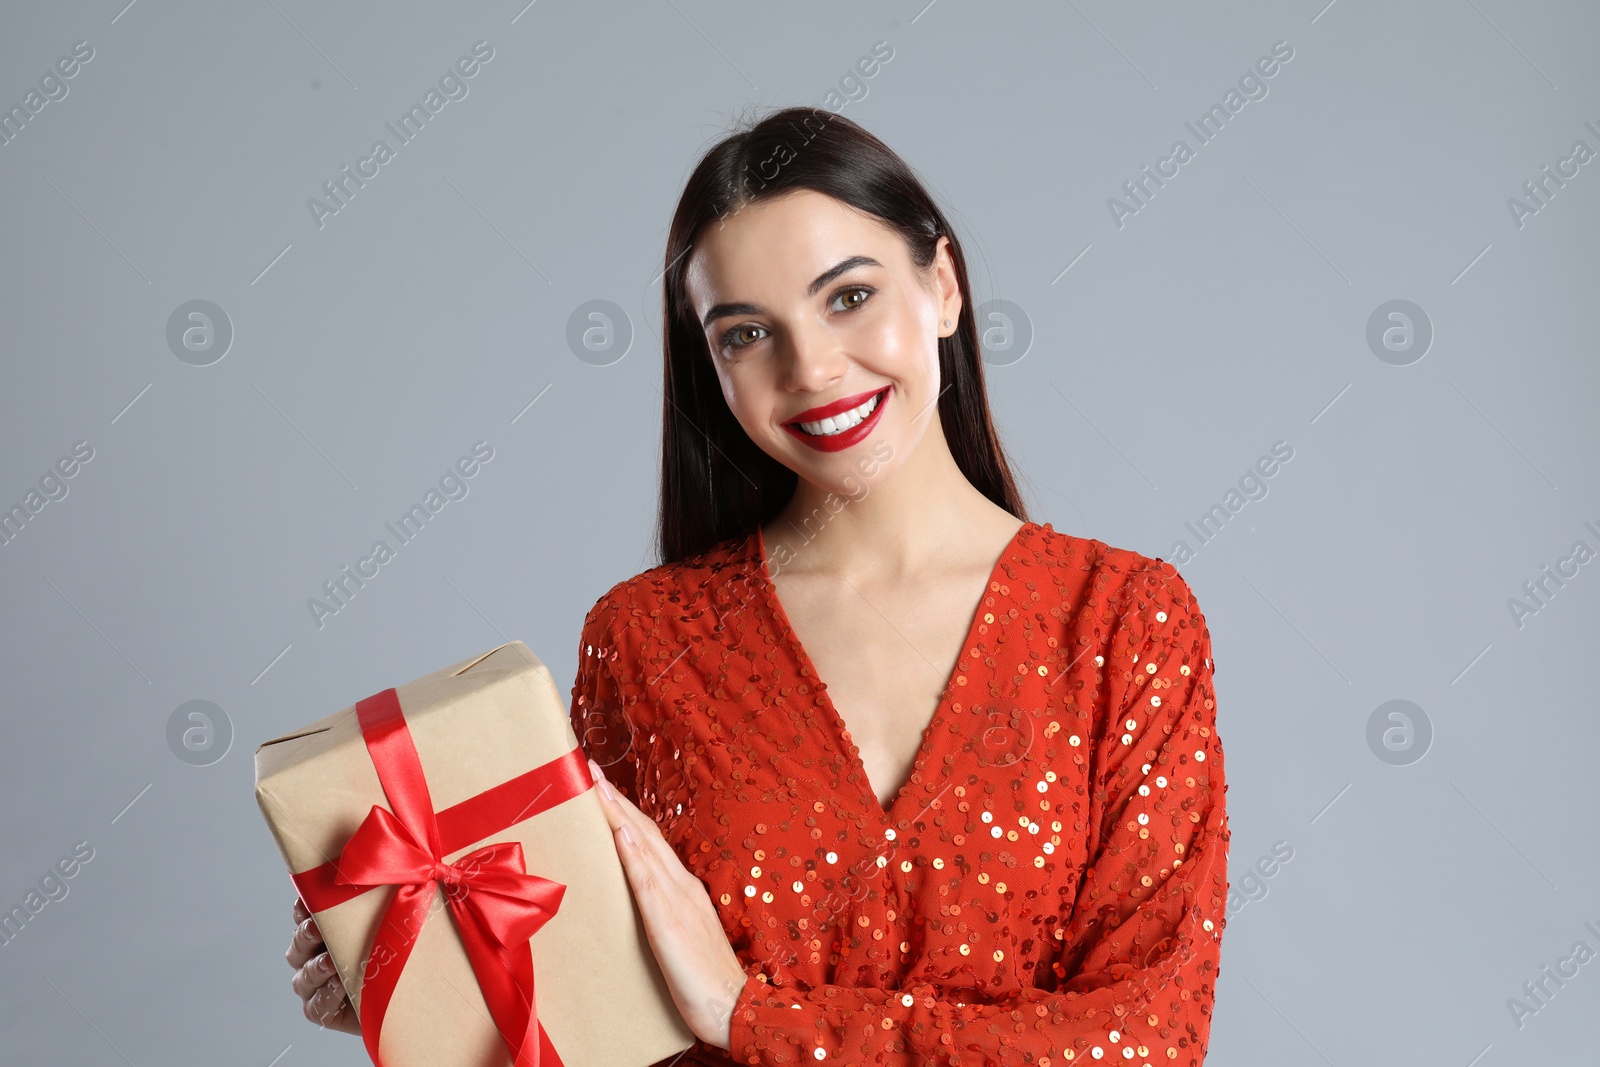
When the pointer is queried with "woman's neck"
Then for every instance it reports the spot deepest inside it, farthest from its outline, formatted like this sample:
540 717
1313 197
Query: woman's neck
917 516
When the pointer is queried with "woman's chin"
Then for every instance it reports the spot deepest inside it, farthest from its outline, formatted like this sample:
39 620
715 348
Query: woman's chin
849 472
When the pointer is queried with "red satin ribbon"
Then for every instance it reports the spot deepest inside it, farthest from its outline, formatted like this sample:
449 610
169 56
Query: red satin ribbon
497 905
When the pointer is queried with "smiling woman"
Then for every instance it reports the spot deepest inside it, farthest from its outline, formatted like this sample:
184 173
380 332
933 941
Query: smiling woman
897 775
924 781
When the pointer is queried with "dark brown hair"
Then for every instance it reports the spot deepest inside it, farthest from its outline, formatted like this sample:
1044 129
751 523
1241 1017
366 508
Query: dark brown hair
715 482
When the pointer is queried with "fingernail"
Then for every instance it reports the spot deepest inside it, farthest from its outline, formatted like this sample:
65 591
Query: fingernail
600 780
627 835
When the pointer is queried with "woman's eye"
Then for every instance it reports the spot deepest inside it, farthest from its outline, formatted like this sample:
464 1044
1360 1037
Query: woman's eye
737 338
731 339
852 305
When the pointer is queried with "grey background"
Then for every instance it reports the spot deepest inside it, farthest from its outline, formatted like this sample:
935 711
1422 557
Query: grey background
1229 313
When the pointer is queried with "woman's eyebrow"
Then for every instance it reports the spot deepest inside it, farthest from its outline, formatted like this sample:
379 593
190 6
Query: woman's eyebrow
719 311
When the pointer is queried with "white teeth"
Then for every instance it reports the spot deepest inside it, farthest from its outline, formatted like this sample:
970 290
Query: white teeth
842 421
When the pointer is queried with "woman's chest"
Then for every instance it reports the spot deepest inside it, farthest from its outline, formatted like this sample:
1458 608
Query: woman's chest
758 787
884 658
962 882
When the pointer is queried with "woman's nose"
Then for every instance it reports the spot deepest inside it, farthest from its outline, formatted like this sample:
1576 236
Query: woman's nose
815 360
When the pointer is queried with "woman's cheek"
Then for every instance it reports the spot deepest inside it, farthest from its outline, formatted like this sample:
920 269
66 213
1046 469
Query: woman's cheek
738 393
898 344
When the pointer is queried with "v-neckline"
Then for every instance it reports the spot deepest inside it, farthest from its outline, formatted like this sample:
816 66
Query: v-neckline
825 698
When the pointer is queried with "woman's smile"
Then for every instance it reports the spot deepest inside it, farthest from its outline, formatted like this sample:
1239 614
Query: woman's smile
840 424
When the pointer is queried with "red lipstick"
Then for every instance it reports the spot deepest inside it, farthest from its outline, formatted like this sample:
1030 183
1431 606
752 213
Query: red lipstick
839 441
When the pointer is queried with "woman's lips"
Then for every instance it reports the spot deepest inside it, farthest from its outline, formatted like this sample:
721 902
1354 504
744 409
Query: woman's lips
854 435
836 407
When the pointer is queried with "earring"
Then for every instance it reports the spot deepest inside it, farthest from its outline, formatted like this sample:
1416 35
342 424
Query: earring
947 322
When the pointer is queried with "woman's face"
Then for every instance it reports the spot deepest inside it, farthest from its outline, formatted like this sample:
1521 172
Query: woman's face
811 310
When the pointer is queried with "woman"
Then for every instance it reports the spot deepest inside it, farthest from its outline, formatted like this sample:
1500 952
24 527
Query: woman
897 775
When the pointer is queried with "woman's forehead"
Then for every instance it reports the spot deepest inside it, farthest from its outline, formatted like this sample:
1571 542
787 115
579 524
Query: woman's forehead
783 244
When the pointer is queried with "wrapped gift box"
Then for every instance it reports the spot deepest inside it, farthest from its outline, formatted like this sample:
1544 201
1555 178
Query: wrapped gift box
481 754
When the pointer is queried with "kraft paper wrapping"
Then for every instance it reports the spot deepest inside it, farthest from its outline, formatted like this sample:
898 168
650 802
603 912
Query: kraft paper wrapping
600 993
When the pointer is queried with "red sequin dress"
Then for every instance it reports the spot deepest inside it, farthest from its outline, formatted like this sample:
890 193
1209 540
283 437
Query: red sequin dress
1049 887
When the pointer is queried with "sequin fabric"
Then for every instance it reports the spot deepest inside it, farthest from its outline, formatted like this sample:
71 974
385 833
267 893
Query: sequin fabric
1049 886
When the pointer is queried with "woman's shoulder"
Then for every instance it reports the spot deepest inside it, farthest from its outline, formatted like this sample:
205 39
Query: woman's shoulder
1092 569
677 586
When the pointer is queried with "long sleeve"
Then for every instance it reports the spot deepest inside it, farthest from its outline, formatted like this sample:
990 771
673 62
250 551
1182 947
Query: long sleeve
599 715
1139 953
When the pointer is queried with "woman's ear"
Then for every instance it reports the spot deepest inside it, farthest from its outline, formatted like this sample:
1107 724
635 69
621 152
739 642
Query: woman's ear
947 288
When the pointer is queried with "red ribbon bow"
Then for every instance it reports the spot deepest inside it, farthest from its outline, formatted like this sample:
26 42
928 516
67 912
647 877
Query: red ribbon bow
497 906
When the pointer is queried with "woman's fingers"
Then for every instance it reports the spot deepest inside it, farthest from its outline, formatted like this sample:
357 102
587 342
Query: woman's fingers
645 871
646 837
306 942
330 1008
647 859
313 975
323 997
324 1005
316 981
611 801
702 971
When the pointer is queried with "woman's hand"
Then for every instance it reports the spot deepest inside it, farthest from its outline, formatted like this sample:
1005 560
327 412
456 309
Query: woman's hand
702 972
315 979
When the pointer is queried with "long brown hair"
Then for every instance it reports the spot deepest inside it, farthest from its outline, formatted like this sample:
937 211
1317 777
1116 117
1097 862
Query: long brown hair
715 482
